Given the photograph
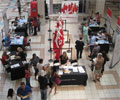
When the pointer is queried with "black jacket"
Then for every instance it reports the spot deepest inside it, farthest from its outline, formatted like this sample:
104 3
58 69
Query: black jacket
79 45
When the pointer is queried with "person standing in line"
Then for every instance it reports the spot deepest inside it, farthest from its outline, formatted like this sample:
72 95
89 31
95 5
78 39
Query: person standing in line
98 67
27 75
11 95
85 30
19 7
79 47
43 85
35 25
38 22
24 91
105 60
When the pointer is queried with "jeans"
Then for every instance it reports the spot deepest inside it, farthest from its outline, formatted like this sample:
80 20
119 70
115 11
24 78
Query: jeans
43 94
38 27
28 82
35 30
79 52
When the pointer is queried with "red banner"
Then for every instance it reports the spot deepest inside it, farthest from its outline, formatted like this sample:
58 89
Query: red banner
34 9
109 12
118 21
70 8
58 39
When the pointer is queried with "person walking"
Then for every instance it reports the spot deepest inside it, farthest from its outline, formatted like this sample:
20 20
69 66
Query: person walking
43 85
98 67
79 47
19 7
38 22
35 25
11 95
24 91
85 31
27 75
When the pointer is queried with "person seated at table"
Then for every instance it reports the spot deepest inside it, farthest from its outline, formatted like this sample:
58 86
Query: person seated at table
92 41
98 17
95 50
93 23
63 59
20 54
5 58
102 36
16 21
7 40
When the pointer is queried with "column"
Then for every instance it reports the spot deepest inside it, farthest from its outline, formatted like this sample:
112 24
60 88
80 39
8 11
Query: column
100 4
51 6
41 10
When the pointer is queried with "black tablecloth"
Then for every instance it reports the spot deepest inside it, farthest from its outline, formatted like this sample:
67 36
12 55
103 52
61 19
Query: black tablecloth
104 47
14 47
22 29
74 78
95 29
18 72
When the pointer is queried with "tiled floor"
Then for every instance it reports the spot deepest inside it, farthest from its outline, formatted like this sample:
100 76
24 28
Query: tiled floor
107 89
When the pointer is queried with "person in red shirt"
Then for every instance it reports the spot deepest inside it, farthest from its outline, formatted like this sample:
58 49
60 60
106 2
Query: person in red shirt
35 25
5 58
98 17
27 75
25 41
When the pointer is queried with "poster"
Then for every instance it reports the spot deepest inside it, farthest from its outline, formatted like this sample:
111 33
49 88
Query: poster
117 31
108 23
116 54
70 7
6 22
34 9
0 40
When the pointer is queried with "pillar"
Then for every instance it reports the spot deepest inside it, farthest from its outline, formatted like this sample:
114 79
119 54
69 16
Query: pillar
100 4
51 6
41 10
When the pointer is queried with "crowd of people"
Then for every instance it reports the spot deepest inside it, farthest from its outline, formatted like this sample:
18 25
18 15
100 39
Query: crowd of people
98 54
46 75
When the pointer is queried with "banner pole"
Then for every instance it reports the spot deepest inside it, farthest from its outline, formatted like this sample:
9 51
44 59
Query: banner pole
49 25
65 26
69 47
51 60
67 36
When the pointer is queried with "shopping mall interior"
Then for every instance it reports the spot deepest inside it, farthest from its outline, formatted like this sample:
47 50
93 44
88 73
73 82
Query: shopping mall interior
83 85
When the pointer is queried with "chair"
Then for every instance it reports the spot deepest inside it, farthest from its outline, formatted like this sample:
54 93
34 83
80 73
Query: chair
3 65
56 63
74 62
3 44
28 44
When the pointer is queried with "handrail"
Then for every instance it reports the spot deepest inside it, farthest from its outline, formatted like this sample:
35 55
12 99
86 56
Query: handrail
110 23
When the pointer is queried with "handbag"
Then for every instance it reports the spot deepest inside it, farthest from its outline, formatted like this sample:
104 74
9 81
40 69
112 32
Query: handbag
57 81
